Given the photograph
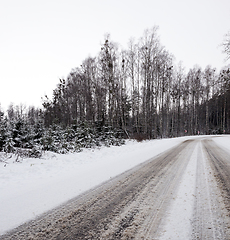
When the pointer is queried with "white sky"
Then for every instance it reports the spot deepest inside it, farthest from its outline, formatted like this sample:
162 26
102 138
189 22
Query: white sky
42 40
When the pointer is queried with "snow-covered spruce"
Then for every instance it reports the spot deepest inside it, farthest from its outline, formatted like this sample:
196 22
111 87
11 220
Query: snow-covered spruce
26 140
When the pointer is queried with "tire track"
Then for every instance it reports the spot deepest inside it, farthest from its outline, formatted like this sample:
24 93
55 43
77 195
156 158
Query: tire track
177 222
212 208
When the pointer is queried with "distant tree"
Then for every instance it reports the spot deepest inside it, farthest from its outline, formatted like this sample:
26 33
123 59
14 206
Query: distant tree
177 93
225 90
88 69
132 65
226 45
109 73
3 129
208 83
152 63
11 112
1 113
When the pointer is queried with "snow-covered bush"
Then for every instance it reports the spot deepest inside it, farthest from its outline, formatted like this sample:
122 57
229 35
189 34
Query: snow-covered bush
23 139
9 145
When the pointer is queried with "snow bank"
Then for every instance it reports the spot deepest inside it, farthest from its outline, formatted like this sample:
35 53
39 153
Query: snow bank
223 141
33 186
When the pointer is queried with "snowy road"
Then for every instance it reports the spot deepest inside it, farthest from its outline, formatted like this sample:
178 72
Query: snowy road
182 193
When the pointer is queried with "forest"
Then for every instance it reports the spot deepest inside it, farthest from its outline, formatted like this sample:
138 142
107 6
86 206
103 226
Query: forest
135 93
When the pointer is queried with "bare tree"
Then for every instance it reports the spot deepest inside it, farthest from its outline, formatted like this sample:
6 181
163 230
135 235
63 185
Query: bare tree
208 82
226 45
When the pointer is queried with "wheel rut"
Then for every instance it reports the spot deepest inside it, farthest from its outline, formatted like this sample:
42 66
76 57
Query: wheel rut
219 162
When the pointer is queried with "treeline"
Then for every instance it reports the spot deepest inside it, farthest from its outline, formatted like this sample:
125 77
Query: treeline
138 92
143 92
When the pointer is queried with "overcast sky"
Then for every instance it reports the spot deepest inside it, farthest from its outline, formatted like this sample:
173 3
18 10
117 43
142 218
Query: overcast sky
42 40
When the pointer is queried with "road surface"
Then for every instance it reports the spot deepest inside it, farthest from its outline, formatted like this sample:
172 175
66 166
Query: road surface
183 193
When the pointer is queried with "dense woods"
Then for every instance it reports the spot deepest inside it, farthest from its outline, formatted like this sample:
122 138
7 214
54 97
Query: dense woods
138 92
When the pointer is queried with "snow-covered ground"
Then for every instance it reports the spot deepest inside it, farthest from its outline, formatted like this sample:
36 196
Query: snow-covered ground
222 141
32 186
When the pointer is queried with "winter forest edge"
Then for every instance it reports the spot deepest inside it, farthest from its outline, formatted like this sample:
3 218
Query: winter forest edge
137 93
